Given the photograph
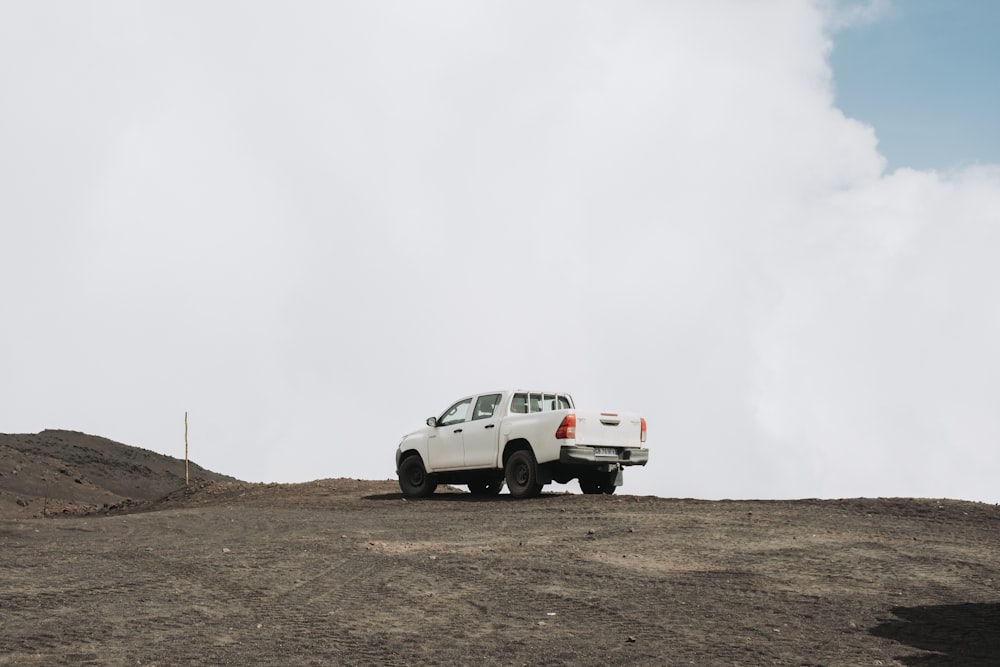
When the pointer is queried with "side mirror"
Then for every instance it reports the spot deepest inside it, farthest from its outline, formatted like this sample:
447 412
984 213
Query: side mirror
432 421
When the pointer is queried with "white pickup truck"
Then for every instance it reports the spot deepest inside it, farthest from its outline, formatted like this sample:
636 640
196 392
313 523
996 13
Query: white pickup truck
524 438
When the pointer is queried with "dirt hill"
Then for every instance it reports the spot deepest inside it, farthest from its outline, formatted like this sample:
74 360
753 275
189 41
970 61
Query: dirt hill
348 572
65 471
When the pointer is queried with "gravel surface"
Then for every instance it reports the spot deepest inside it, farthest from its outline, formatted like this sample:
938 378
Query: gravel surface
348 572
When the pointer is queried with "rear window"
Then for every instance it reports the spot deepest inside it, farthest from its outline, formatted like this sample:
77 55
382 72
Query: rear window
525 402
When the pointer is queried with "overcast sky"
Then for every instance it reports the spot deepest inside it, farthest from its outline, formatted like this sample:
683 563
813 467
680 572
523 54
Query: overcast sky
312 225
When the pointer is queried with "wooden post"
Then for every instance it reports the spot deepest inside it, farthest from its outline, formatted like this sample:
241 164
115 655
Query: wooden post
187 479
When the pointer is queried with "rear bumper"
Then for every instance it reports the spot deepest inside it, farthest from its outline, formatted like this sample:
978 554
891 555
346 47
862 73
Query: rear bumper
626 456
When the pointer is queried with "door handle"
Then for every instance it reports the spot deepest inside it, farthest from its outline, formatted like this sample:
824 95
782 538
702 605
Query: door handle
489 426
457 430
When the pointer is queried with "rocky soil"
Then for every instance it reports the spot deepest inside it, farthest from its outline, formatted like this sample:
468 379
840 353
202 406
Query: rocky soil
341 571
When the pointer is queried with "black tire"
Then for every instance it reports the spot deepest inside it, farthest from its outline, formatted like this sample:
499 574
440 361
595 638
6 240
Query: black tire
602 483
521 472
414 480
489 487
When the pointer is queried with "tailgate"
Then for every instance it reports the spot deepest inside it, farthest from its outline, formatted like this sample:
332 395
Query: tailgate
612 429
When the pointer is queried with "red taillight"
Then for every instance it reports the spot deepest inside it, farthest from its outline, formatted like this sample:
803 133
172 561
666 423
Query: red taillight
642 431
567 429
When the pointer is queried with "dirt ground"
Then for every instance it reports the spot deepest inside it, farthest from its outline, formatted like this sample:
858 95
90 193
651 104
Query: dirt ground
347 572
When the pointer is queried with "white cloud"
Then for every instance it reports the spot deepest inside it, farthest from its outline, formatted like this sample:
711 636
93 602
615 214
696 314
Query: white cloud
842 14
311 228
879 348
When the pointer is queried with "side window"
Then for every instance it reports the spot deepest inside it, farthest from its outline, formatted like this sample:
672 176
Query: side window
534 402
563 403
456 413
485 406
519 404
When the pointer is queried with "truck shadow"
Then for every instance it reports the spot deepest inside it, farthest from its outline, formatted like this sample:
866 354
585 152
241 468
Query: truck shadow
960 635
461 498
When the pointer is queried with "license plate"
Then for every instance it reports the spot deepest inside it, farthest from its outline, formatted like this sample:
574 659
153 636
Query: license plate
605 451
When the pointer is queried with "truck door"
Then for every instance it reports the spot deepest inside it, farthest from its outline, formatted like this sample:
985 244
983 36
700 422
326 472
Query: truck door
481 432
446 444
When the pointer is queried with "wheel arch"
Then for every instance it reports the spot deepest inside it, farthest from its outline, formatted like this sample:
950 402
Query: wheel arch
407 454
514 446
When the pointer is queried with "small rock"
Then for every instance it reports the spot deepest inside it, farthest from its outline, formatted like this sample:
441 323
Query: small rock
226 550
631 639
22 502
590 531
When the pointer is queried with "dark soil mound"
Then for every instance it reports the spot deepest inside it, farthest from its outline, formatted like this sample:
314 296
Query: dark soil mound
71 472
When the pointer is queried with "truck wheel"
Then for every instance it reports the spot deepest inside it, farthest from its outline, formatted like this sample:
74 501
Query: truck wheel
598 484
522 474
486 487
414 480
